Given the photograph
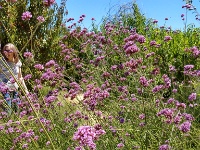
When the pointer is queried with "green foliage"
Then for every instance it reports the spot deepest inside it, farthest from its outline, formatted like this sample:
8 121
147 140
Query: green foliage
29 35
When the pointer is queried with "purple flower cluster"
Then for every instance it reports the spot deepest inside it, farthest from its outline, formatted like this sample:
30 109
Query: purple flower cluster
40 19
185 126
192 96
87 135
48 3
144 82
130 48
167 38
164 147
167 81
94 95
28 55
26 15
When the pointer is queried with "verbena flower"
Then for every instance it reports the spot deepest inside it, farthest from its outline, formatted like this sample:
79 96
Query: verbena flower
185 127
39 66
192 96
40 19
48 2
120 145
86 135
28 55
164 147
167 38
26 15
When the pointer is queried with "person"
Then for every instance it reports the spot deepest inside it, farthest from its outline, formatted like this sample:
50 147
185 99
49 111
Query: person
10 70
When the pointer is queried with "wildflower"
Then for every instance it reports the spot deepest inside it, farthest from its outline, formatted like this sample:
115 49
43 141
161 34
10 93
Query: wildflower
40 19
185 126
26 15
121 120
188 117
48 143
78 148
1 128
164 147
28 76
174 90
48 3
155 21
114 67
25 146
39 66
177 119
36 138
152 43
12 1
168 113
157 88
195 51
142 116
167 38
50 63
86 135
144 82
192 96
188 67
28 55
120 145
141 39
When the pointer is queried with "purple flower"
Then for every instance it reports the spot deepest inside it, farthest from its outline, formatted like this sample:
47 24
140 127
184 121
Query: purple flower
167 38
164 147
26 15
144 82
155 21
28 55
40 19
86 135
28 76
39 66
185 126
50 63
48 143
152 43
121 120
48 2
142 116
12 1
141 39
157 88
120 145
25 146
188 67
192 96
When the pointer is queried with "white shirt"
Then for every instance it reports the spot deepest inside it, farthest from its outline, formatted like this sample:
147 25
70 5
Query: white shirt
5 73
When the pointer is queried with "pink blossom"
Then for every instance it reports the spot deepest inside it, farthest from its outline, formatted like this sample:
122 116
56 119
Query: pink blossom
26 15
40 19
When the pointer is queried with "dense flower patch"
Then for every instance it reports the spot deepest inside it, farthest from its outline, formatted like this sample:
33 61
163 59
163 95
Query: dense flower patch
139 90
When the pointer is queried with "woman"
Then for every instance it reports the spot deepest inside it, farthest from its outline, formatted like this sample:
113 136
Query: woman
10 66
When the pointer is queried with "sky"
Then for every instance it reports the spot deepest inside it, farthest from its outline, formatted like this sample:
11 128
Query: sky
155 9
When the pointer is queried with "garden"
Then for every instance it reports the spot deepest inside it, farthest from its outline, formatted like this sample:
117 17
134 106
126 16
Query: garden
127 84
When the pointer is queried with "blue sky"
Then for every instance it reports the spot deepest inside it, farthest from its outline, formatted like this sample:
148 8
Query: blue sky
156 9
